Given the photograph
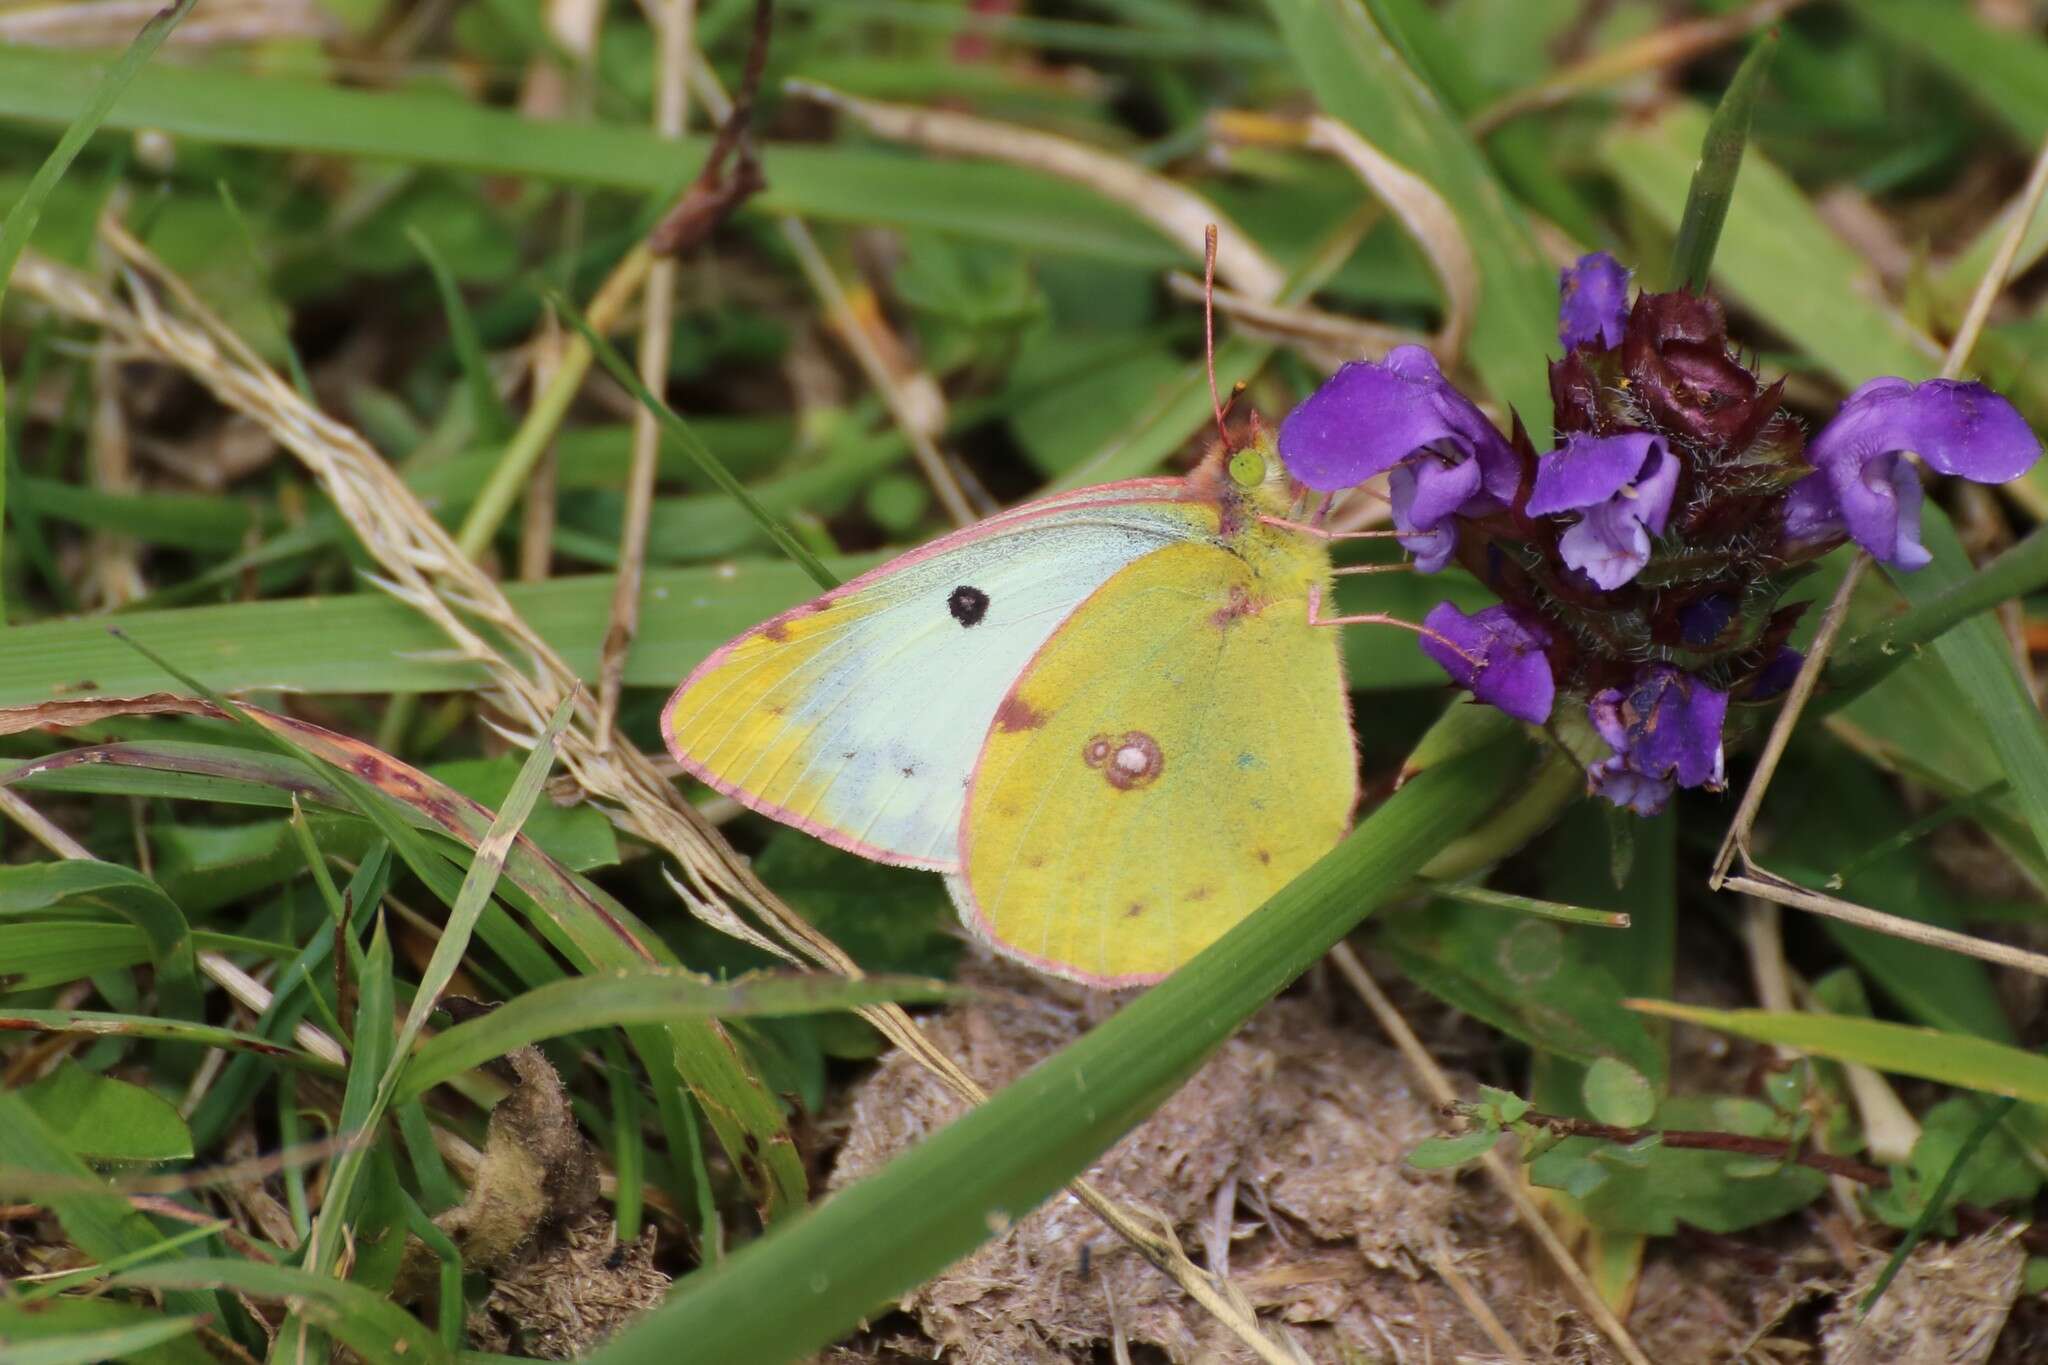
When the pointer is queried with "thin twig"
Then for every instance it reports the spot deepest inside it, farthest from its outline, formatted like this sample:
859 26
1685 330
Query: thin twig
1429 220
717 192
1350 338
1173 208
1446 1268
1999 271
674 23
1498 1169
1771 886
909 401
1706 1140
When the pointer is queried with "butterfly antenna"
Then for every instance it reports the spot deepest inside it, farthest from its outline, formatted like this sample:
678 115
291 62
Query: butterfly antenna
1209 330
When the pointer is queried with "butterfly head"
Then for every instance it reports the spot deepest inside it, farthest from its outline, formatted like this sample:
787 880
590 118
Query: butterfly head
1253 475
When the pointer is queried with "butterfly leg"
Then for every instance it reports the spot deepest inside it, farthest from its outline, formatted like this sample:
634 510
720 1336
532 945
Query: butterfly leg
1320 533
1378 618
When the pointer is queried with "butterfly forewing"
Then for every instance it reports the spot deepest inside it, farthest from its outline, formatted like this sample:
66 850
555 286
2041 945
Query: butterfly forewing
859 716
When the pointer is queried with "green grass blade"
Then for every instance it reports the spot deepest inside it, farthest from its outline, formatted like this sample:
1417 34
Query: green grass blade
493 420
1979 658
371 1325
1776 257
1713 184
102 1024
369 642
712 467
1937 1201
102 1224
648 995
941 1199
127 893
477 886
109 1343
1956 1059
423 128
1359 77
2003 69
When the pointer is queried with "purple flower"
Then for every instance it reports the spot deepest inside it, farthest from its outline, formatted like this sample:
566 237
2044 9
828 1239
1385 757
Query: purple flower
1497 653
1665 733
1623 484
1403 415
1592 302
1864 486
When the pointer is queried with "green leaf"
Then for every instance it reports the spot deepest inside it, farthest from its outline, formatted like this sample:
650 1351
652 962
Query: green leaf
1951 1058
1618 1094
949 1193
104 1119
646 995
1650 1191
127 893
100 1024
86 1328
1441 1153
2004 69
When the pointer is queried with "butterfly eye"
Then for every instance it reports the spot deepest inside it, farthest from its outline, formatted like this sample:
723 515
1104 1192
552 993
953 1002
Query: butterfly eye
1247 468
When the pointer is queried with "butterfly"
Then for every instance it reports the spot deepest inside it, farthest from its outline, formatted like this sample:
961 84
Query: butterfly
1107 716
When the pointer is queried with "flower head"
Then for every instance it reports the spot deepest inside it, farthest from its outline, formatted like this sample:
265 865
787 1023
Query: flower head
1864 486
1497 654
1592 301
1665 732
1403 415
1642 564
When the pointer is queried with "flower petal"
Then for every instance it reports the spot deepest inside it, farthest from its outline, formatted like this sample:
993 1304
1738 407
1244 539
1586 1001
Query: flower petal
1495 654
1609 544
1677 729
1592 301
1368 417
1880 504
1591 469
1956 427
1626 787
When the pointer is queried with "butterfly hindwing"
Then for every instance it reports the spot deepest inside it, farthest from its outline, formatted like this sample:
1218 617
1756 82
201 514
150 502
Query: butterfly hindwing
859 716
1176 752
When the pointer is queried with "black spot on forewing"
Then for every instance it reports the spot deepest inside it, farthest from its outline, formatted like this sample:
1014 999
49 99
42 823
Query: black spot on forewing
968 605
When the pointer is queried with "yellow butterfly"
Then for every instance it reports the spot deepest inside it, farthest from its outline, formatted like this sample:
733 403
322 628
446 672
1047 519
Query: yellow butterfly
1106 716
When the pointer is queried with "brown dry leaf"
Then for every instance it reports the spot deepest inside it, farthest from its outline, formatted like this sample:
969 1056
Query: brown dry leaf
1948 1304
1284 1156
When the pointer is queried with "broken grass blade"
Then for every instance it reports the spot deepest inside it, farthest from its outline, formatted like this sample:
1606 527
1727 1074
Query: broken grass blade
478 884
1530 905
1713 183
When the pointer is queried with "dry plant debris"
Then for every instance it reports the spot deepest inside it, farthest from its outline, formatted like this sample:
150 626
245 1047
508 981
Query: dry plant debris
561 1282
